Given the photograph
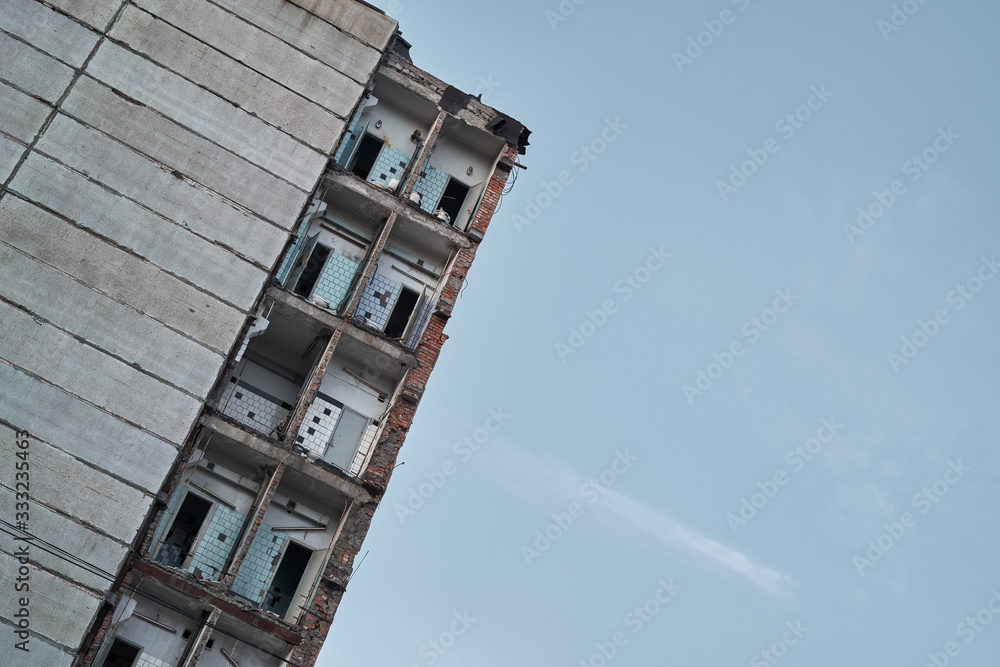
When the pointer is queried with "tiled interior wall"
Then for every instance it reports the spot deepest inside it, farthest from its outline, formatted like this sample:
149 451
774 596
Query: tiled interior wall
391 163
146 660
377 301
293 253
367 443
217 543
262 558
420 325
319 424
431 185
252 407
320 420
335 279
350 139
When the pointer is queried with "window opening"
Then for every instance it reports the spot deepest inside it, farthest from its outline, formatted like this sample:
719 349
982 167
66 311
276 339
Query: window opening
178 543
122 654
453 198
364 158
286 579
310 274
401 312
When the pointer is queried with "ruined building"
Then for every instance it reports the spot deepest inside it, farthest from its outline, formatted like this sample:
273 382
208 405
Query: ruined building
231 235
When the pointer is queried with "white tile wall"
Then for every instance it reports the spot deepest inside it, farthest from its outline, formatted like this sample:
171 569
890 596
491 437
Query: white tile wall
146 660
252 407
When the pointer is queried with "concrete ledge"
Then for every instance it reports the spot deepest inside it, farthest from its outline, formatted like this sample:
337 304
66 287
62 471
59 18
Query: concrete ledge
334 322
351 489
240 611
342 180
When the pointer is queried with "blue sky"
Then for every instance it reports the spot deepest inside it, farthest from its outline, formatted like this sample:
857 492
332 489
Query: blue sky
868 464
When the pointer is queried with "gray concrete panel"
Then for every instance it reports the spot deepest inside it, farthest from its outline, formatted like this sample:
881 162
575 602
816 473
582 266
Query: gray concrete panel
174 146
41 652
50 597
59 36
110 444
309 33
229 78
68 535
124 277
95 13
172 247
260 51
366 23
155 186
10 152
208 115
65 485
31 70
94 376
104 322
21 116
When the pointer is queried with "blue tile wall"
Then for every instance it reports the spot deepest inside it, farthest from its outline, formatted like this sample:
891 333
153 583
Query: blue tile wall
421 324
217 542
350 139
390 164
335 279
293 253
377 301
255 572
431 185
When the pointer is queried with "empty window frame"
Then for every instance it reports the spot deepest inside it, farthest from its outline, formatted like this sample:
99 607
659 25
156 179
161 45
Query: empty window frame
122 654
365 156
179 543
454 198
403 309
311 270
286 579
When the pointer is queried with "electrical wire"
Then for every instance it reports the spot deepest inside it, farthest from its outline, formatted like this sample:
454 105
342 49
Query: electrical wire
95 570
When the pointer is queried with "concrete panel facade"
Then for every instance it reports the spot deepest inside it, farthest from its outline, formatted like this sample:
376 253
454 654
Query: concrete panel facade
154 157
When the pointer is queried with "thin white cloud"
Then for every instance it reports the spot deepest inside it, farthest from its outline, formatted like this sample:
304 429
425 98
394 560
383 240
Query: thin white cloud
675 535
559 479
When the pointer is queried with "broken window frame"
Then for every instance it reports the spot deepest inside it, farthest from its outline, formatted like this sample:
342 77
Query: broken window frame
199 536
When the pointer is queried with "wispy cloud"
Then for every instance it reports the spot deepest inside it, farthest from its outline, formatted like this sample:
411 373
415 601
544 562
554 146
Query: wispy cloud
675 535
555 477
